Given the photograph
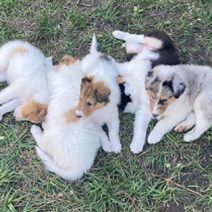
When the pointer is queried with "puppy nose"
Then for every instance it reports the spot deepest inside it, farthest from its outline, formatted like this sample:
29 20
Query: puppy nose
154 115
78 116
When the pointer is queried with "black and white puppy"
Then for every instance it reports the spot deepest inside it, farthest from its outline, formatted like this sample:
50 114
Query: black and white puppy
155 46
144 52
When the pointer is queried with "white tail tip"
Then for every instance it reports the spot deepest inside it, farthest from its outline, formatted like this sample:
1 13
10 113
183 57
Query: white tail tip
94 44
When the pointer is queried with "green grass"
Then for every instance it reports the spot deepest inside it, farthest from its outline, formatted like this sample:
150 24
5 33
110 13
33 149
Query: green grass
169 176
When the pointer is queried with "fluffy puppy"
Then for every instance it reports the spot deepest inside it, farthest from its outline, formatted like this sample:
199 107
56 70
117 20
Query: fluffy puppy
24 68
99 96
148 51
155 46
68 145
180 95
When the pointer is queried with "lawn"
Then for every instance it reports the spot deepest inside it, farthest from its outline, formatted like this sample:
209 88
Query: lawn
169 176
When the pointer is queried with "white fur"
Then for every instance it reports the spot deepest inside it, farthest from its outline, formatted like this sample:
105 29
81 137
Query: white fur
134 73
106 71
191 108
25 74
67 149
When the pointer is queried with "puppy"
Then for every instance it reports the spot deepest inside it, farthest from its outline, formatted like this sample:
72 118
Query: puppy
148 51
180 95
68 145
100 95
24 68
155 46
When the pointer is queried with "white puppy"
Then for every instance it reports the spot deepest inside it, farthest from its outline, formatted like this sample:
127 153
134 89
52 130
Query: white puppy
24 68
181 95
100 96
68 145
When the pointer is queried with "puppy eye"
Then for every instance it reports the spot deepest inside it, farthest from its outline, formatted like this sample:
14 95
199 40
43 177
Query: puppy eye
89 104
162 101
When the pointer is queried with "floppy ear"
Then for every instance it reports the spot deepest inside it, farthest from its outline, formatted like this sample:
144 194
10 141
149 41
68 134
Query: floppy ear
176 85
85 80
102 94
42 110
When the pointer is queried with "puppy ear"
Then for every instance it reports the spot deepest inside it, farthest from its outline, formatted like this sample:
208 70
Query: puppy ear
176 85
102 94
86 80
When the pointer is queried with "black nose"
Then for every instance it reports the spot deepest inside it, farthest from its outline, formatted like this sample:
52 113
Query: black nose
154 115
78 116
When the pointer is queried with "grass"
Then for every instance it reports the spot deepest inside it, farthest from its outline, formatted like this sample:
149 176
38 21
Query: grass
170 176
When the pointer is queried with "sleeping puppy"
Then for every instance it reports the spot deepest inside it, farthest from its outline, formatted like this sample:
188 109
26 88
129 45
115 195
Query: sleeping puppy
68 145
100 95
155 46
148 51
24 68
181 95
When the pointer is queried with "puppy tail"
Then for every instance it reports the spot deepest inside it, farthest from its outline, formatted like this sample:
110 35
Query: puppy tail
94 45
50 165
7 50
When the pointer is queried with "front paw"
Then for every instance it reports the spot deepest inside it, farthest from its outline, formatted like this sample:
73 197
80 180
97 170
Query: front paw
116 147
106 146
153 138
136 146
190 136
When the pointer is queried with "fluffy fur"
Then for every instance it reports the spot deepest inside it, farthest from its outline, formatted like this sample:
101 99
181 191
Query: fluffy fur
24 68
100 96
182 96
135 87
148 51
68 145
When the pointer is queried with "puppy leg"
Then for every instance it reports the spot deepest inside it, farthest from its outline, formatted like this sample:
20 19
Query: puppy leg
8 93
3 77
187 124
9 106
164 126
36 134
113 128
104 140
202 125
132 38
141 123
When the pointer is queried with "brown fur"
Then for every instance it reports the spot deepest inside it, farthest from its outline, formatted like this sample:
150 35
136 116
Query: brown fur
66 60
169 101
120 79
70 116
34 112
19 50
93 96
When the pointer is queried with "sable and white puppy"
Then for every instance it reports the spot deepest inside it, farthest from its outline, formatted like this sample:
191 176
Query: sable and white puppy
68 145
24 68
181 95
100 96
144 52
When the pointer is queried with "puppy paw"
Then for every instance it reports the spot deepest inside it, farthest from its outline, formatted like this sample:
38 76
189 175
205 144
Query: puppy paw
1 117
36 132
116 147
118 34
182 127
136 146
153 139
106 145
188 137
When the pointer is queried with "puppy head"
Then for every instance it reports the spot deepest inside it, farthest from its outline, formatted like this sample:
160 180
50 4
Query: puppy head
93 96
162 93
32 111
